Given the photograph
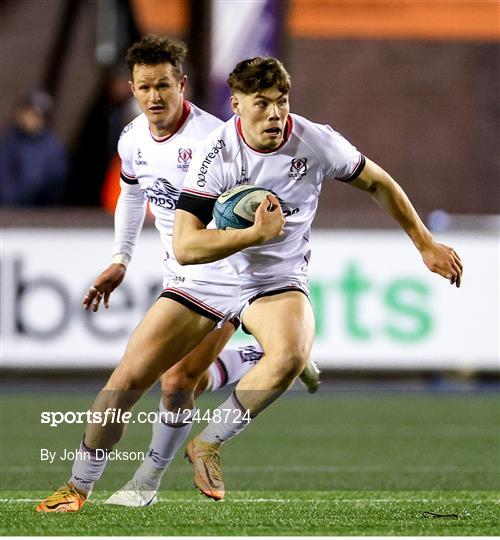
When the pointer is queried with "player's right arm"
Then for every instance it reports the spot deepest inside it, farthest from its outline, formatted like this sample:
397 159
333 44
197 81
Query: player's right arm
195 244
129 218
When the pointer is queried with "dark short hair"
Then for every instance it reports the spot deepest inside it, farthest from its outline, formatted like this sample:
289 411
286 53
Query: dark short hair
258 74
153 50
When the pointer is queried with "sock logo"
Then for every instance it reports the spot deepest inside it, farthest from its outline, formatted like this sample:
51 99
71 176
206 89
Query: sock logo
81 480
250 353
155 456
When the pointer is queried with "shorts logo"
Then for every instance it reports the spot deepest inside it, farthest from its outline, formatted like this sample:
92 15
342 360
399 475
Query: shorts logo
184 158
298 168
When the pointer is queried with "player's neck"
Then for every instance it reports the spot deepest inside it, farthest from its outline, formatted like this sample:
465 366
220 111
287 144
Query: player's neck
162 131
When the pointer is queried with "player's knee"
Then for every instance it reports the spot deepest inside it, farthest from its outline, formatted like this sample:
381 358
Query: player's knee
174 396
180 378
129 380
287 365
178 387
294 367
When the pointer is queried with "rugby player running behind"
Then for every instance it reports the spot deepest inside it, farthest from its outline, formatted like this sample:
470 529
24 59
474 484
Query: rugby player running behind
155 150
263 142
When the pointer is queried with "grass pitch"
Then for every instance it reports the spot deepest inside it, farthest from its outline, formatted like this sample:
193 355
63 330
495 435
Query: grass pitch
334 463
270 513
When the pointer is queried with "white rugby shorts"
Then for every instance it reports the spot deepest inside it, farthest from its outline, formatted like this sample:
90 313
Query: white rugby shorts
219 301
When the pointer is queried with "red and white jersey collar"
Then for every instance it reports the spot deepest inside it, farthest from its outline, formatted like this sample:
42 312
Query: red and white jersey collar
186 109
286 135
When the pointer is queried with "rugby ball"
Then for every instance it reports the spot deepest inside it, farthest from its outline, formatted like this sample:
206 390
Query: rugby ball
235 209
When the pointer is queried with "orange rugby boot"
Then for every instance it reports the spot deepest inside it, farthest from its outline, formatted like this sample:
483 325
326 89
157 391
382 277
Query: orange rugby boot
65 499
207 474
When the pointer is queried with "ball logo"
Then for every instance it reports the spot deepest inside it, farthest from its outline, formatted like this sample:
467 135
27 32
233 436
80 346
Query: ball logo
298 168
184 158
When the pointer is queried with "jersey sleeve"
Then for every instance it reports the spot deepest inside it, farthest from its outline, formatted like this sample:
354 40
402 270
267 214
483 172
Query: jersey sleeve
131 205
129 218
342 161
126 154
204 181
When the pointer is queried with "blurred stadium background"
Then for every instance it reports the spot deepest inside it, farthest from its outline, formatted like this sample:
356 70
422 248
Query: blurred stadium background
414 85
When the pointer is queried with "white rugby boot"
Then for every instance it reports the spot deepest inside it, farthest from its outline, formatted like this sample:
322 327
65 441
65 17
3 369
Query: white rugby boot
310 376
133 493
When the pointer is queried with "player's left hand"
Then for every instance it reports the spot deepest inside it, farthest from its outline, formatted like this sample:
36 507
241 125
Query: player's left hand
444 260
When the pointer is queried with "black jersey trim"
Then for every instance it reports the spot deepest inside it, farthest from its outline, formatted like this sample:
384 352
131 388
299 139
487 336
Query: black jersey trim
196 193
201 207
128 179
356 172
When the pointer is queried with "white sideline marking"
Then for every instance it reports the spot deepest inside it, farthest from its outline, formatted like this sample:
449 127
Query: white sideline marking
264 500
304 468
352 468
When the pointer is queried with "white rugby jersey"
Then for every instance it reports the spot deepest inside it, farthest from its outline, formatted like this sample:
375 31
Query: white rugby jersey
294 172
153 169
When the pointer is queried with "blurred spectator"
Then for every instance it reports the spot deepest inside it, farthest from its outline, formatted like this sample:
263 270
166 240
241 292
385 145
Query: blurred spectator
33 164
112 109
